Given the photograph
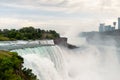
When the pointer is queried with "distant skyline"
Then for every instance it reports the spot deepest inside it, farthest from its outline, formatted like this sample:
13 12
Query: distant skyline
61 15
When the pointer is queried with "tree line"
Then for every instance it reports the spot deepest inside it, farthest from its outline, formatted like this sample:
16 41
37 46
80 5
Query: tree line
27 33
11 67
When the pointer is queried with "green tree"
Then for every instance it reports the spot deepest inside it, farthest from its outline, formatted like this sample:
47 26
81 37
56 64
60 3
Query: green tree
11 67
27 33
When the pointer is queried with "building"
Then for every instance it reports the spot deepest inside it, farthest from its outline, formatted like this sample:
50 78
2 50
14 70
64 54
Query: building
112 28
108 28
104 28
101 27
118 23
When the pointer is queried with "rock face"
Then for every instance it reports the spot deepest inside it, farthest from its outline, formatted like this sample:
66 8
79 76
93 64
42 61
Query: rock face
109 37
62 41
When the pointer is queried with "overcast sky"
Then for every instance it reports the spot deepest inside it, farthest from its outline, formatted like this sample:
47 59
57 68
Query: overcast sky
61 15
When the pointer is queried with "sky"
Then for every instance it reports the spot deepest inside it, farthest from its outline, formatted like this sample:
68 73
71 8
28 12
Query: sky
63 16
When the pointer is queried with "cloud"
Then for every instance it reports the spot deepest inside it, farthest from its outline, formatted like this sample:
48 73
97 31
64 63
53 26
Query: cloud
59 24
68 6
58 14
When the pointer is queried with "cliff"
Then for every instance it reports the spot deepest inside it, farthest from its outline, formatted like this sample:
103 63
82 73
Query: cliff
109 37
62 41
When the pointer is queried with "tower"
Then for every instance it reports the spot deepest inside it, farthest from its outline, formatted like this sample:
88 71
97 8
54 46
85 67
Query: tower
118 23
114 23
101 27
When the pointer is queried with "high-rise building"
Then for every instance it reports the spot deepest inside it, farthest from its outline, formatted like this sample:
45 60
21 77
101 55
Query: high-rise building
101 27
112 28
118 23
108 28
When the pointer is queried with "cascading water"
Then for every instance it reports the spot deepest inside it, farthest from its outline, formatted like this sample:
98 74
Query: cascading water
89 62
46 61
93 63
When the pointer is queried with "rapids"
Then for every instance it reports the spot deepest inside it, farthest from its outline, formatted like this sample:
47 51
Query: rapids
89 62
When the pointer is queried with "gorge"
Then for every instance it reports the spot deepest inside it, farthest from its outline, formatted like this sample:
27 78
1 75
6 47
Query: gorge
56 59
89 62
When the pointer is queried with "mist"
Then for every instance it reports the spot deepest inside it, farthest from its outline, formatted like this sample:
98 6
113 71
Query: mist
94 60
97 59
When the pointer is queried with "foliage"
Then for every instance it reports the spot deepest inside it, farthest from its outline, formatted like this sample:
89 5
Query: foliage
11 67
2 38
27 33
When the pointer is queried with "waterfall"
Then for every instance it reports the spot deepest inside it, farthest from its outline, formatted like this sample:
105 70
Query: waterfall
89 62
44 60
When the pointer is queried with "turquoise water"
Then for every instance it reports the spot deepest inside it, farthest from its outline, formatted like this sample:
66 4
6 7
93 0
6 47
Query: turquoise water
89 62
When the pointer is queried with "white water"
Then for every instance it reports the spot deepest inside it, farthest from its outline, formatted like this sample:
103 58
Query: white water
10 45
20 42
91 62
46 62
